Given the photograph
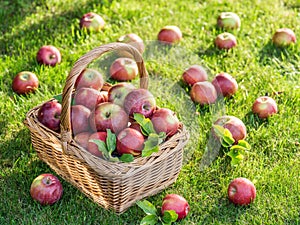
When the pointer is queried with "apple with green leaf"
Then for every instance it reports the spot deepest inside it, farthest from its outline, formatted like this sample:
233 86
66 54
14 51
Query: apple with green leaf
92 147
177 203
130 141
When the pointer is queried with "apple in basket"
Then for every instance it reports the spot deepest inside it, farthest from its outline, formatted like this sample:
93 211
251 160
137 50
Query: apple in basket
169 35
80 119
92 147
130 141
82 139
177 203
48 55
118 92
49 114
89 97
134 40
194 74
92 22
225 84
165 120
108 115
123 69
89 78
203 93
140 101
46 189
25 82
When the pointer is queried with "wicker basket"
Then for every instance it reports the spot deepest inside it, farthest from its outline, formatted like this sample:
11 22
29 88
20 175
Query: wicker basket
112 185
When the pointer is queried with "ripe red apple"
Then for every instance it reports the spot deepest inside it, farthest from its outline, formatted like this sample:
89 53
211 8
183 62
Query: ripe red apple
264 107
284 37
92 147
177 203
135 125
225 84
90 78
194 74
140 101
80 119
228 20
46 189
118 92
107 115
89 97
134 40
123 69
49 114
130 141
203 93
48 55
225 41
165 120
92 22
82 139
241 191
170 35
25 82
234 125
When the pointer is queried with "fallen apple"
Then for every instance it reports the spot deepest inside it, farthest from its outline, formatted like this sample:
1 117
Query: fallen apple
283 37
89 78
225 41
241 191
169 35
264 107
130 141
48 55
118 92
92 147
92 22
49 114
80 119
46 189
25 82
203 93
123 69
228 20
194 74
225 84
177 203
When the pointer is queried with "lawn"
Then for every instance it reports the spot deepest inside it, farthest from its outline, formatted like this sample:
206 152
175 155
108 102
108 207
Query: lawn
259 67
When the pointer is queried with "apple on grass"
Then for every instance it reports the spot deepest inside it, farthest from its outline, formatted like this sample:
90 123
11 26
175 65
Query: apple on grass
284 37
25 82
203 93
194 74
48 55
225 84
80 119
169 34
46 189
89 78
241 191
92 147
177 203
134 40
108 115
130 141
264 107
140 101
225 41
123 69
88 97
92 22
49 114
229 20
118 92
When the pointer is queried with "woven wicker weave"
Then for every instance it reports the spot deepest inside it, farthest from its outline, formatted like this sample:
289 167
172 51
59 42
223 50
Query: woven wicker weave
113 185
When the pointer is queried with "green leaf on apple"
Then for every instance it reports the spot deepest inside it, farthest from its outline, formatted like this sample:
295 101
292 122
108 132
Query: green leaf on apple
244 144
145 123
111 141
147 207
101 146
237 154
151 145
169 217
126 158
149 220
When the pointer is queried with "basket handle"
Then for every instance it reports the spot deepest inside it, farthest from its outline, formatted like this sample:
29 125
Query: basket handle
79 66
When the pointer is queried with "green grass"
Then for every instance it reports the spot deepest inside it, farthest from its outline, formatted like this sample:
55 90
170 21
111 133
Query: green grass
259 68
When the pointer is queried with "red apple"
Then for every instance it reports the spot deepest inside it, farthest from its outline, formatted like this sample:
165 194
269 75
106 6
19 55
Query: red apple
130 141
234 125
80 119
170 35
48 55
118 92
194 74
89 97
140 101
25 82
92 147
284 37
49 114
107 115
264 107
92 22
225 41
46 189
241 191
134 40
177 203
203 93
225 84
135 125
123 69
82 139
228 20
165 120
90 78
